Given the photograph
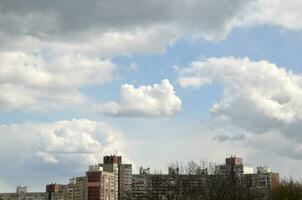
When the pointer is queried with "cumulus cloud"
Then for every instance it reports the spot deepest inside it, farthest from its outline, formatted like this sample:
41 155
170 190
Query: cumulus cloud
63 138
55 151
47 53
28 80
286 14
147 101
258 97
112 27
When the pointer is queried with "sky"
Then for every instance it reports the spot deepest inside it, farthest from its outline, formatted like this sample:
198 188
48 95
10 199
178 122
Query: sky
153 81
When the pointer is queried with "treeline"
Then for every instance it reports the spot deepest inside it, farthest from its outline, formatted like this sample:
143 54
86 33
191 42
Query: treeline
204 182
287 190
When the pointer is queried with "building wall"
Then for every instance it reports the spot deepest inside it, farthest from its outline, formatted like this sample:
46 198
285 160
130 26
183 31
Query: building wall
139 185
93 185
76 189
143 184
56 191
114 169
122 175
263 180
100 185
23 196
108 187
112 159
233 160
125 180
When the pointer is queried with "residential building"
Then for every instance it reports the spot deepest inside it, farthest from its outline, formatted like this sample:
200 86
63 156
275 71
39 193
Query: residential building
111 164
125 180
56 191
232 165
76 189
140 183
22 194
143 170
99 184
263 179
122 175
145 184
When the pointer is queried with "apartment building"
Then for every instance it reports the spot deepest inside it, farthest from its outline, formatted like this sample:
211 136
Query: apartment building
76 189
122 175
22 194
56 191
100 184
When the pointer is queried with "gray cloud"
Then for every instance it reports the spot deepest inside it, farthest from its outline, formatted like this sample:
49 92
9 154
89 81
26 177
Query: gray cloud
84 27
74 16
110 28
224 137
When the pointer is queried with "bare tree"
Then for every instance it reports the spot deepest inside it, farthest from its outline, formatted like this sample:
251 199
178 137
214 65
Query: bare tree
201 181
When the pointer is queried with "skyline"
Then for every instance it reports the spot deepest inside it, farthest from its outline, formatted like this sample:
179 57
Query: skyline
182 168
113 179
153 81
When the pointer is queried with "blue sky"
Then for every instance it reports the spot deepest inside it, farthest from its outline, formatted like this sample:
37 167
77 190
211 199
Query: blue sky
179 85
270 43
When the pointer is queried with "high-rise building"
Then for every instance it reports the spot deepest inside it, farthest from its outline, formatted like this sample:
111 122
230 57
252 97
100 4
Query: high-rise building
112 159
234 165
233 161
56 191
264 178
76 189
99 184
125 180
111 164
122 175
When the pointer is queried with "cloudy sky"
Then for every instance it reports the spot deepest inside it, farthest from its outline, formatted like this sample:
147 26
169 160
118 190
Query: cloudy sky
155 81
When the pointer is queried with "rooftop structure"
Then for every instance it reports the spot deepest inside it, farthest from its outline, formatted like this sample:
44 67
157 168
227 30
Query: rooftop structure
143 170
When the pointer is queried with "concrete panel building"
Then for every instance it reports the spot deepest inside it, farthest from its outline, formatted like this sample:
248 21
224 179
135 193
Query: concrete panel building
122 175
56 191
22 194
76 189
99 184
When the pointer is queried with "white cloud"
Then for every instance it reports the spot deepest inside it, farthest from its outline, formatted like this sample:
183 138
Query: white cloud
286 14
37 153
258 97
146 101
29 31
28 80
151 40
274 92
61 139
